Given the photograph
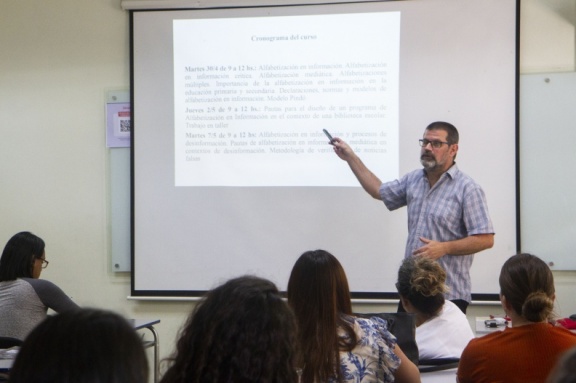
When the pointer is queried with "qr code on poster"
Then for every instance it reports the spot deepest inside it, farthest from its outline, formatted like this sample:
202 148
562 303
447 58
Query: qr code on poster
125 125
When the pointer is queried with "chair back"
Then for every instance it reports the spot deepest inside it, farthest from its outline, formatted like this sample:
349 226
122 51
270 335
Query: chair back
438 364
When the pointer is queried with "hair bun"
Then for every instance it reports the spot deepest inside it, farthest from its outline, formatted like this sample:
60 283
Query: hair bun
537 307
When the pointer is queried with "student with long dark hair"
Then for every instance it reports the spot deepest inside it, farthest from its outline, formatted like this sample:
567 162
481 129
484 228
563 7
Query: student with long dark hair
24 298
242 331
81 346
335 345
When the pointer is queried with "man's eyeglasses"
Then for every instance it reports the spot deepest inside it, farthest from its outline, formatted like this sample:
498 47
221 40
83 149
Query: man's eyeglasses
434 144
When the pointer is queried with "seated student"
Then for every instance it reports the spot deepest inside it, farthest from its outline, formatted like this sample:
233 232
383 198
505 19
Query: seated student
335 345
442 329
81 346
528 350
242 331
565 369
25 299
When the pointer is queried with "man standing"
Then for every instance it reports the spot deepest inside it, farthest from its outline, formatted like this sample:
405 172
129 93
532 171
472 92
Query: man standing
448 216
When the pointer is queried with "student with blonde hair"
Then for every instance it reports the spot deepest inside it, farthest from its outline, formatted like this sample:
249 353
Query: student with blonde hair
442 329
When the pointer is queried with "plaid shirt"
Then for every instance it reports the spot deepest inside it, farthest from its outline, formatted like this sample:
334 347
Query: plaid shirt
453 209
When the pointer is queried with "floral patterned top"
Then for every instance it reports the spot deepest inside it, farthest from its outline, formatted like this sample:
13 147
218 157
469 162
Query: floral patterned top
373 359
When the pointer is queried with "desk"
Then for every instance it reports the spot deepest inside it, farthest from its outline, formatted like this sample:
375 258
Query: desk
481 328
5 364
443 376
7 356
141 324
6 360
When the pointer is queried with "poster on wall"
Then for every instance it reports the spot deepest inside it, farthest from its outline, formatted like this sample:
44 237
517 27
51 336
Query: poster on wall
118 125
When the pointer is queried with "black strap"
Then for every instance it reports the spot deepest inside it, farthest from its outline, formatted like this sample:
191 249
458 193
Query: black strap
430 365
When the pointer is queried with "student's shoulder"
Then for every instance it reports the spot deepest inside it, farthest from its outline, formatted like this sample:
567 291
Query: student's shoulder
488 340
40 284
373 321
37 281
563 332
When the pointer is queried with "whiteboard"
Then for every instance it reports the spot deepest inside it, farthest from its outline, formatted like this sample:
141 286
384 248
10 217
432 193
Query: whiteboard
548 166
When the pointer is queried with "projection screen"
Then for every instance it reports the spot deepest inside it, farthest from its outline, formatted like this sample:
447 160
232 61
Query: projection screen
232 173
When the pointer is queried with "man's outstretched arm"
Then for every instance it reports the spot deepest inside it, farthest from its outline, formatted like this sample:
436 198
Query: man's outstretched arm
367 179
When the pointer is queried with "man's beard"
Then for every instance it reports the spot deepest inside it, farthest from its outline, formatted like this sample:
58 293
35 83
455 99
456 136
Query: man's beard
428 163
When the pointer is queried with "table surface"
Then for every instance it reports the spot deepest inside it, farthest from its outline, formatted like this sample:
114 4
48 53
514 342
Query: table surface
481 328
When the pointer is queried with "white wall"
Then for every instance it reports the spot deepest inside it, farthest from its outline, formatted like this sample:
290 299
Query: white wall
58 59
547 38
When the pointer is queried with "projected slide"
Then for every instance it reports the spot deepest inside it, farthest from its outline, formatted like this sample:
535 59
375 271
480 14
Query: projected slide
253 94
